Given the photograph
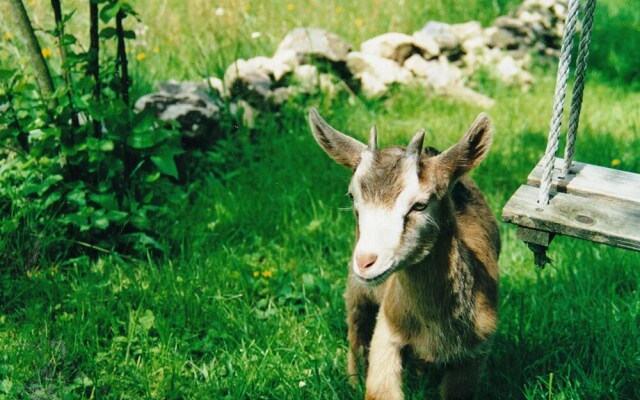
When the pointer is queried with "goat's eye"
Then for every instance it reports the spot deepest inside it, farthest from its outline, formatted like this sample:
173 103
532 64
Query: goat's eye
419 206
350 196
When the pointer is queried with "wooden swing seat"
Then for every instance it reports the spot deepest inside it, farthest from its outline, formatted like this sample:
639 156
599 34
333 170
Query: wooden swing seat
593 203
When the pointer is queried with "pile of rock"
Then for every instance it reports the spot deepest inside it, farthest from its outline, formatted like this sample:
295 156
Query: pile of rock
441 57
296 67
536 25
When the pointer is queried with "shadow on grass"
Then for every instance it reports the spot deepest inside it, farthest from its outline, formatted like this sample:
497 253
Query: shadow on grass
576 320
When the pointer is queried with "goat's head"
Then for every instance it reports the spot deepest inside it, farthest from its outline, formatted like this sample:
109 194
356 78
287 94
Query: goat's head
398 192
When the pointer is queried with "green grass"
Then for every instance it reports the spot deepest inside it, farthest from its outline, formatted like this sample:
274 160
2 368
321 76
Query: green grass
248 304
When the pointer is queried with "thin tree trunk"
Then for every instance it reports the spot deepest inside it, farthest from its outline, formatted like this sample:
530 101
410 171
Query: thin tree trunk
34 52
124 81
57 13
122 57
93 67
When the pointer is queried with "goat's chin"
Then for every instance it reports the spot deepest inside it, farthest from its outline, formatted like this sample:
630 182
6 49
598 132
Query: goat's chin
382 275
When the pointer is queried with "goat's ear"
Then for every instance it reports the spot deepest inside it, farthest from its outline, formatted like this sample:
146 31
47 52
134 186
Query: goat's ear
343 149
470 150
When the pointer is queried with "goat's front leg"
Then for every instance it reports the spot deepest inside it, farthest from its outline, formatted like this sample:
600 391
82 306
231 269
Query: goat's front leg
361 319
384 378
460 380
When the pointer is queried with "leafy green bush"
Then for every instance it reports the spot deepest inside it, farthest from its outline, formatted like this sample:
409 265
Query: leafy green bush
80 170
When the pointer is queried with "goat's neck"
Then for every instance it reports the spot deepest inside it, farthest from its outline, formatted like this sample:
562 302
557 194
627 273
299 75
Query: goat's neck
440 282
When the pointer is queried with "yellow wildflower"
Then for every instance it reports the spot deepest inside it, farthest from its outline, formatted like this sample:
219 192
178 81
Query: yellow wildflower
291 6
46 53
156 49
615 162
267 274
358 22
8 36
141 56
256 274
338 10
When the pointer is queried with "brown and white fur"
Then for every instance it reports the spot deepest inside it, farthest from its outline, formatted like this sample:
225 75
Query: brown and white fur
424 271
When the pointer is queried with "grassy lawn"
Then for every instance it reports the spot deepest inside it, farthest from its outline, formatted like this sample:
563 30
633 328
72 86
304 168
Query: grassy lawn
248 303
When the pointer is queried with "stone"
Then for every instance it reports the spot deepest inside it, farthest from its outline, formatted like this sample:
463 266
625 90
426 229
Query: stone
442 33
287 57
248 78
309 43
509 71
502 38
394 46
216 84
510 23
476 44
375 72
196 112
529 18
427 45
253 79
249 113
463 93
435 73
467 30
307 77
372 86
281 95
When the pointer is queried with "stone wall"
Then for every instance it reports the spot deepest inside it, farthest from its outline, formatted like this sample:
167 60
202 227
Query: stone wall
440 57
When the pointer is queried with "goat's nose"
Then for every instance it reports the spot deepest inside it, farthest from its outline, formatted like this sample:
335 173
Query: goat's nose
365 260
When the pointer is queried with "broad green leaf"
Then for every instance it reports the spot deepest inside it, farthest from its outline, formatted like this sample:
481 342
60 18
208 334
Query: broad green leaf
6 74
67 17
107 145
77 196
142 139
145 120
147 321
100 223
32 188
109 11
68 39
117 216
48 182
108 33
105 200
143 240
168 149
6 386
77 219
52 199
166 165
152 178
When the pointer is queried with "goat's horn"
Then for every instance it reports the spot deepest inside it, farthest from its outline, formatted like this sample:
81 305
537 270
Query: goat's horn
415 145
373 139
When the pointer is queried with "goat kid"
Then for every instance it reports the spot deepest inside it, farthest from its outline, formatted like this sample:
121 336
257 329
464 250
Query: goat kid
424 271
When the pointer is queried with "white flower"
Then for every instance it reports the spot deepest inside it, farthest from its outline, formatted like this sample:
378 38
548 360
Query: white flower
219 11
302 384
255 35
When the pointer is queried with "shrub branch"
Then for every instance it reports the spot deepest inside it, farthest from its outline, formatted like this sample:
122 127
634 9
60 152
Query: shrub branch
57 14
93 66
122 57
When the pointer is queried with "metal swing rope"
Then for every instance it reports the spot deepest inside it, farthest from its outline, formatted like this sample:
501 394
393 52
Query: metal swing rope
560 94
